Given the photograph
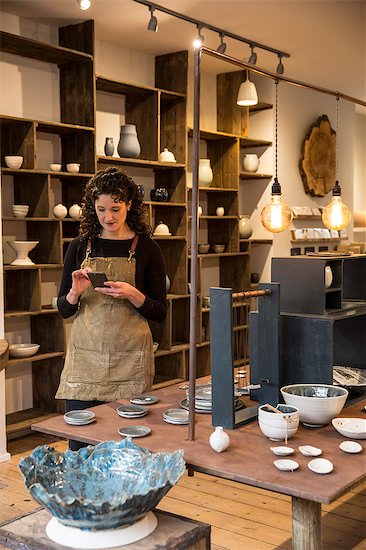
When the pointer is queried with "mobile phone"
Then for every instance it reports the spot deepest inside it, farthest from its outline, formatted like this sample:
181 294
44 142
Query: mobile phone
97 278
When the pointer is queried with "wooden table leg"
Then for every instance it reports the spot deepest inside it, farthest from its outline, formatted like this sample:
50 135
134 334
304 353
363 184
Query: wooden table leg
306 524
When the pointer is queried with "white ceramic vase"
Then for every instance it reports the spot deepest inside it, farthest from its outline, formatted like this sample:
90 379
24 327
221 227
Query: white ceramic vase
219 440
205 174
220 211
328 276
22 249
128 145
75 212
245 227
250 163
60 211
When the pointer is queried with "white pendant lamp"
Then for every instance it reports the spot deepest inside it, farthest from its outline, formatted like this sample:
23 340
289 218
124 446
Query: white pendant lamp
247 94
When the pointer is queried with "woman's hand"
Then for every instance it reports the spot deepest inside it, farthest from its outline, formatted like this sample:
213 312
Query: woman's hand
80 281
119 289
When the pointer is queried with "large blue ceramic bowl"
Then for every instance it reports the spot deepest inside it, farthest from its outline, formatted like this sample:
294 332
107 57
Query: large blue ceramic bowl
101 487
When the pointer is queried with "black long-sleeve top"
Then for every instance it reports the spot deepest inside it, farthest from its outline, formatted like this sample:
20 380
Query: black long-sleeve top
149 278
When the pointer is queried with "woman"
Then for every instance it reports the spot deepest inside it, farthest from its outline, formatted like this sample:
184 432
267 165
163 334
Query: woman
110 353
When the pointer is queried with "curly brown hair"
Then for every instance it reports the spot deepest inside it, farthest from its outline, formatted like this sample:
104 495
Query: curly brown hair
122 188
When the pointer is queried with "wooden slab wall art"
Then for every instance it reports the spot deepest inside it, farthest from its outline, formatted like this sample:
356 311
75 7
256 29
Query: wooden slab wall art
317 163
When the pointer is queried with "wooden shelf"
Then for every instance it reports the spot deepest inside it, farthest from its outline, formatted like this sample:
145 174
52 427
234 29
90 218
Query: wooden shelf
248 142
222 254
20 422
257 241
13 314
260 106
216 189
30 267
27 47
124 88
212 135
35 358
254 176
36 171
307 217
315 240
165 203
203 217
59 128
142 163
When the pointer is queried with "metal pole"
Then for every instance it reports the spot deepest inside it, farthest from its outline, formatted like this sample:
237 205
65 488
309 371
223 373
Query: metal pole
194 248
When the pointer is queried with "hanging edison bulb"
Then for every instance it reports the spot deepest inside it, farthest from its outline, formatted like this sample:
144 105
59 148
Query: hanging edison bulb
336 215
276 216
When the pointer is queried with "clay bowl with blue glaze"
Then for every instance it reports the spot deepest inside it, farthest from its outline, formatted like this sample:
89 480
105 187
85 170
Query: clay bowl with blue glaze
110 485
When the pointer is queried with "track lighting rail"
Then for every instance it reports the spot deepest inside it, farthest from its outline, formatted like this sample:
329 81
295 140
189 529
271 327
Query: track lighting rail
276 76
203 25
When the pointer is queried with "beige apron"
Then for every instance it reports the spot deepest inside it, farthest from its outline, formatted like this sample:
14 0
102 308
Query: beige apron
110 354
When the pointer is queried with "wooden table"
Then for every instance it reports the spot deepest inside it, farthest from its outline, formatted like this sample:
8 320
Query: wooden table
248 459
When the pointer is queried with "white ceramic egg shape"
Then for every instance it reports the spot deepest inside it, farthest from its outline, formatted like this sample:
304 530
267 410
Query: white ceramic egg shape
219 440
60 211
75 211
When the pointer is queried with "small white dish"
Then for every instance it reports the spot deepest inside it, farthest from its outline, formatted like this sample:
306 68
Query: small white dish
144 400
320 466
13 161
73 167
354 428
23 350
55 167
350 447
309 450
134 431
286 465
281 450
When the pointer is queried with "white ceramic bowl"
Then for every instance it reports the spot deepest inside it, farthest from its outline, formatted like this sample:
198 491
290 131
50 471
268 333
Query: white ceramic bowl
161 229
73 167
13 161
318 403
20 210
354 428
218 248
277 426
23 350
55 167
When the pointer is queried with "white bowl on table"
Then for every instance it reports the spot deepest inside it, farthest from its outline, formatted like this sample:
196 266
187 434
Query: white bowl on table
278 426
13 161
318 403
23 350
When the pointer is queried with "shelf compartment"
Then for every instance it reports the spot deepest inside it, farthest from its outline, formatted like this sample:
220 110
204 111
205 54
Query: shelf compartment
174 181
32 189
173 128
19 424
224 233
139 163
27 47
22 290
48 250
174 252
247 142
170 367
254 176
175 218
224 156
18 138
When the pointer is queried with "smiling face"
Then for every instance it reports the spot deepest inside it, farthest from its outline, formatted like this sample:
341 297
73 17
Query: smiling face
112 217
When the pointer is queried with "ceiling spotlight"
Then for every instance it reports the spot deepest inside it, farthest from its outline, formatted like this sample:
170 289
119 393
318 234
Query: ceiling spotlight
222 46
197 42
280 69
253 56
84 4
153 23
247 94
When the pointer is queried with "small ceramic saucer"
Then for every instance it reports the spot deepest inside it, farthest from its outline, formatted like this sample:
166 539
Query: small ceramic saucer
320 466
309 450
350 447
144 400
134 431
282 450
286 465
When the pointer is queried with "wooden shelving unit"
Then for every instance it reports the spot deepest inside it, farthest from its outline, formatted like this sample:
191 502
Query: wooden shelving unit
159 113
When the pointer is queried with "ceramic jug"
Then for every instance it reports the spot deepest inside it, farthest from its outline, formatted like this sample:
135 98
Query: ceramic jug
219 440
128 145
109 147
205 174
75 212
245 227
250 163
60 211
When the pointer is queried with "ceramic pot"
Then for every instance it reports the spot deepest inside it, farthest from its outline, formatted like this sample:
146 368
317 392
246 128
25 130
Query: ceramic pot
220 211
167 283
205 174
22 249
128 145
328 276
159 195
109 147
167 156
75 212
219 440
199 210
60 211
141 190
245 227
250 163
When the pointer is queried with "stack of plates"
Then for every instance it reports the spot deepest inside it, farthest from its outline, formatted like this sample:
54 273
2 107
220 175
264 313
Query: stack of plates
144 400
176 416
79 418
131 411
203 401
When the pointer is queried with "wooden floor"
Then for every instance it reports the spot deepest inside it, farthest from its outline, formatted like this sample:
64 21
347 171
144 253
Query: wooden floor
241 517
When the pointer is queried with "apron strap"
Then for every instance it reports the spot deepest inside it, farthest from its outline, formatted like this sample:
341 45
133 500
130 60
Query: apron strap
132 250
88 249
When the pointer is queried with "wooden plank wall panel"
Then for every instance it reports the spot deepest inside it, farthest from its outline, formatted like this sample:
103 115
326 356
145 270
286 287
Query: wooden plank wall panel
32 189
231 118
142 110
77 93
78 37
171 72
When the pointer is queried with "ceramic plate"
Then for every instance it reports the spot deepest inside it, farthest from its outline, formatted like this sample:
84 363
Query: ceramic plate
354 428
286 465
320 466
144 400
282 450
185 405
80 423
134 431
309 450
350 447
79 416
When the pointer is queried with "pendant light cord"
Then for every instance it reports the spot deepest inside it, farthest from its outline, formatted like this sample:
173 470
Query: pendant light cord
276 187
336 148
